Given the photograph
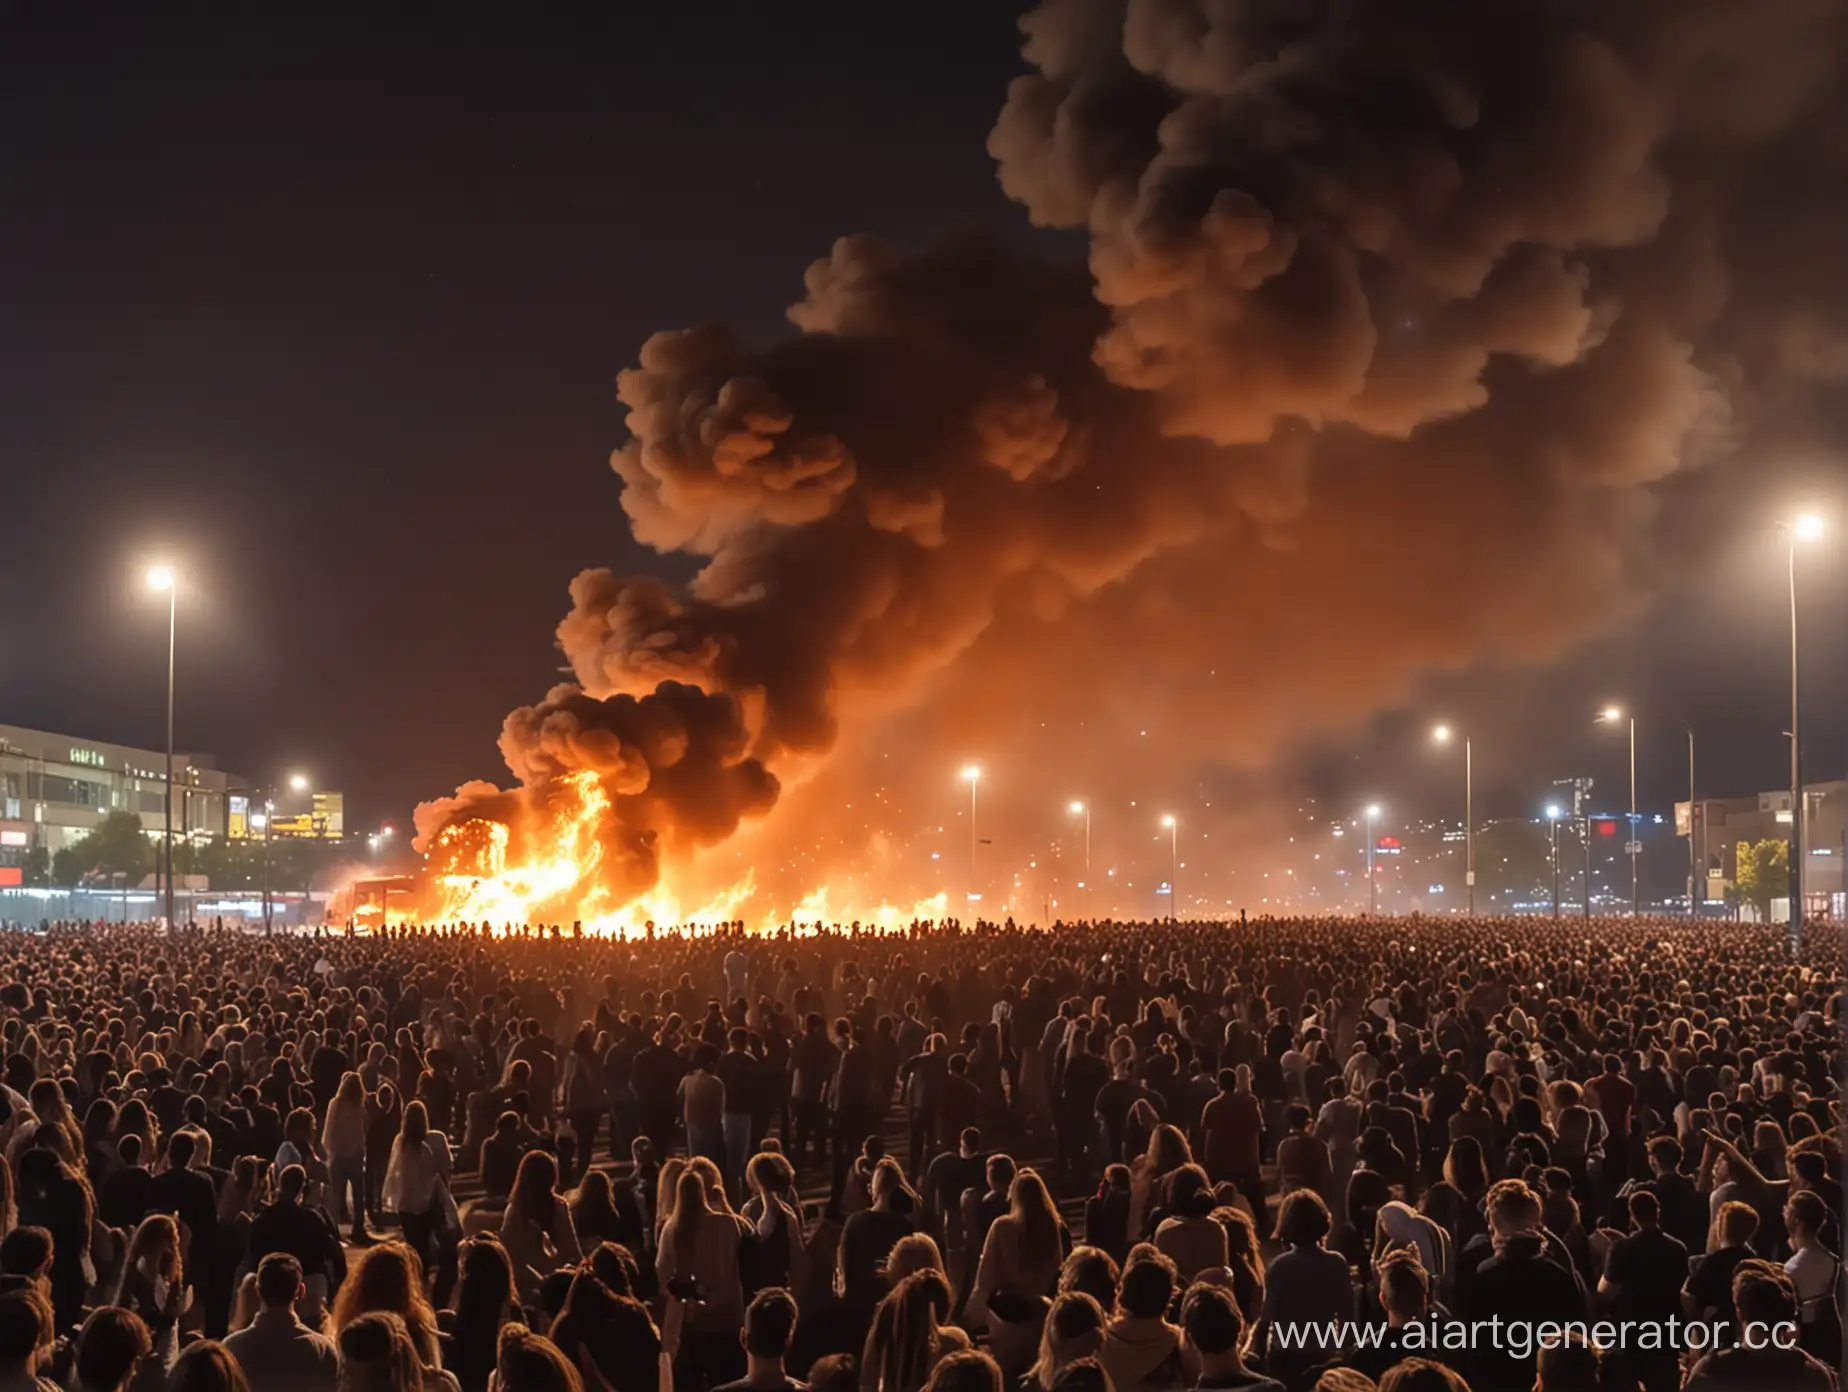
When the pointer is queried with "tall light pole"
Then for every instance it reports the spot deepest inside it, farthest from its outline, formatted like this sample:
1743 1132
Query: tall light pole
1373 885
972 775
1612 715
161 577
1552 821
1174 865
298 782
1693 857
1442 735
1079 805
1808 526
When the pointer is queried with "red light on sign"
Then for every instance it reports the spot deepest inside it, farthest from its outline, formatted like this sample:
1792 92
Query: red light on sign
1607 828
11 876
1388 842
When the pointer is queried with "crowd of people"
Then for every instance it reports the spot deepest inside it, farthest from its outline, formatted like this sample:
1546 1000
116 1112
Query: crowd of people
1284 1155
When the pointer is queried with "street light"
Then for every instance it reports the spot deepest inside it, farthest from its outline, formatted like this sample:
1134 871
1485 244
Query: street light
1079 805
1174 864
1612 715
299 782
162 578
1442 735
1553 813
972 775
1807 527
1693 854
1373 885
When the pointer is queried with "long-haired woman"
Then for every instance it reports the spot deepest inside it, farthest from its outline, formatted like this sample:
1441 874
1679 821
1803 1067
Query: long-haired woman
605 1328
1074 1329
485 1300
536 1229
379 1354
531 1362
910 1332
697 1265
1018 1270
152 1283
343 1141
207 1366
388 1279
417 1185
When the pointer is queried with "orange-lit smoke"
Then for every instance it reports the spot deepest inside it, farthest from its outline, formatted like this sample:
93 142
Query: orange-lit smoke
1430 304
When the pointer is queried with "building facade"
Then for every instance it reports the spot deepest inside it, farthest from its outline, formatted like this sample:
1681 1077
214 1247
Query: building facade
1718 825
54 788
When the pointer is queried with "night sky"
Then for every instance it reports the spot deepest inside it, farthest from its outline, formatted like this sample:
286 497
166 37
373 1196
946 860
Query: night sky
329 313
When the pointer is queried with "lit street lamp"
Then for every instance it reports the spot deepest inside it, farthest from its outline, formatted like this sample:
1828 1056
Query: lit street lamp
1442 735
1079 805
161 578
1612 715
972 775
1807 527
1174 865
1693 854
1553 814
1373 885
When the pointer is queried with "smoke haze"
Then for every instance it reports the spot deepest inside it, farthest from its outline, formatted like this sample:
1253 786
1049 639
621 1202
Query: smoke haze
1411 338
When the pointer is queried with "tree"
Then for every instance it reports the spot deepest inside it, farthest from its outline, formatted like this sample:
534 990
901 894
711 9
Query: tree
66 867
37 870
1763 874
116 845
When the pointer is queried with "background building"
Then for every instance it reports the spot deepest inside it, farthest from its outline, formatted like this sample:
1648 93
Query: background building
55 788
1718 825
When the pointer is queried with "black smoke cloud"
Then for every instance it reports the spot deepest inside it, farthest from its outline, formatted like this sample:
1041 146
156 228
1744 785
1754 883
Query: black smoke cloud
1401 327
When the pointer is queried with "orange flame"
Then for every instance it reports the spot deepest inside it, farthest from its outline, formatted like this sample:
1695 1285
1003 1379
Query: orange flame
471 876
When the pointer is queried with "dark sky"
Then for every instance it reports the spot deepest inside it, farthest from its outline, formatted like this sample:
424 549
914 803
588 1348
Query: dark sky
329 312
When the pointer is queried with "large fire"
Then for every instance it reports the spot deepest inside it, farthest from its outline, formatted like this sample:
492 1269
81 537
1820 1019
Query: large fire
474 874
1049 507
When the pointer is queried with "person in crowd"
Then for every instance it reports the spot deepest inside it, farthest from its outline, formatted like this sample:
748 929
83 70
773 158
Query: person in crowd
909 1333
485 1299
1074 1329
1019 1266
115 1353
276 1350
207 1367
343 1143
612 1333
1141 1348
388 1279
1763 1297
1510 1117
698 1270
530 1363
1305 1284
378 1353
536 1229
26 1332
869 1236
1214 1332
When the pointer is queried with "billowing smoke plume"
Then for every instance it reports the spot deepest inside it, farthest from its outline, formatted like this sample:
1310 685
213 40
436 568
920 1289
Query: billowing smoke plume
1400 324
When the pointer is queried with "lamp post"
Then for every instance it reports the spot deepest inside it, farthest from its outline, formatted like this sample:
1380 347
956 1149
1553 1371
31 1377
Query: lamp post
1808 526
1611 715
1174 865
1079 805
161 577
1552 819
1442 735
1693 856
1373 885
972 775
